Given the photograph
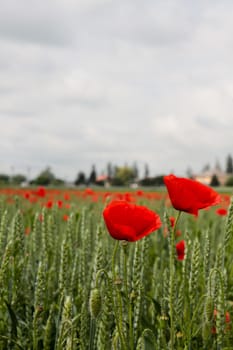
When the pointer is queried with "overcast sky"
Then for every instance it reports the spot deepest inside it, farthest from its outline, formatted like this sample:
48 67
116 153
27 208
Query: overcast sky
95 81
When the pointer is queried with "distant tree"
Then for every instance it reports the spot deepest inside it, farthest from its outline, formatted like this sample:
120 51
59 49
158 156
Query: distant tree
4 179
214 181
81 179
135 171
46 177
58 182
93 175
146 171
229 181
109 170
123 176
115 170
229 165
18 179
206 168
152 181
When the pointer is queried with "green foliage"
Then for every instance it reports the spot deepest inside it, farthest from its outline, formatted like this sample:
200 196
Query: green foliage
229 164
152 181
214 181
229 181
81 179
46 178
4 179
123 176
18 179
93 175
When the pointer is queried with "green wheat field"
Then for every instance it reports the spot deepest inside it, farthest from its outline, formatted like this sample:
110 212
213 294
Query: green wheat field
66 284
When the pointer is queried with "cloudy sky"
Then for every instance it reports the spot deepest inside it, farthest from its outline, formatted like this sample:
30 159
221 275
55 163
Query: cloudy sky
95 81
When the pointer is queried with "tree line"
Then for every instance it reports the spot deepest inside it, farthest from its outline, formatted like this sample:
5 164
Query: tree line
114 175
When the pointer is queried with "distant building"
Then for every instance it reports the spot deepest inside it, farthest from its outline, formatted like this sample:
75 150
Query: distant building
103 180
206 176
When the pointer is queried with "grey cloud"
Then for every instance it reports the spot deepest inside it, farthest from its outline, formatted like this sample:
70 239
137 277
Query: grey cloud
35 22
96 81
12 113
211 123
148 23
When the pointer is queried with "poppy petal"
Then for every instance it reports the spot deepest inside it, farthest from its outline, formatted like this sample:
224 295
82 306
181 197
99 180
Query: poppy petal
189 195
131 222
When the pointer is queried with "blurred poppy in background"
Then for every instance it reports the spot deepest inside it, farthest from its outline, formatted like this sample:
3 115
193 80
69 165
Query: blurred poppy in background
180 250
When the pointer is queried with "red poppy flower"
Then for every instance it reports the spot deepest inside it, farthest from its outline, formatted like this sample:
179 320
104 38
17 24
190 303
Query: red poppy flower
221 211
59 204
49 204
128 197
227 321
227 317
190 195
178 233
180 249
26 195
66 196
88 191
139 193
27 230
65 217
130 222
41 192
172 221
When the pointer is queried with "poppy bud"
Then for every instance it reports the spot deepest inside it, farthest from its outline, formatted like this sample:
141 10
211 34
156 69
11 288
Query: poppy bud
227 317
221 211
95 303
180 250
209 307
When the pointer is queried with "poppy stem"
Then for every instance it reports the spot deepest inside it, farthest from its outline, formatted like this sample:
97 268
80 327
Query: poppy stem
171 289
176 222
129 305
118 301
